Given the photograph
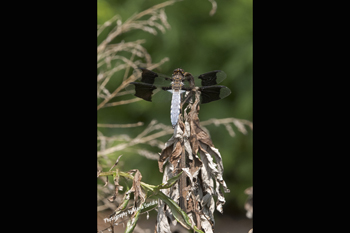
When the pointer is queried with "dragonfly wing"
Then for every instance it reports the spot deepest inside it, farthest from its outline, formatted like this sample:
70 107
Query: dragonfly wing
146 84
143 90
212 93
150 77
212 78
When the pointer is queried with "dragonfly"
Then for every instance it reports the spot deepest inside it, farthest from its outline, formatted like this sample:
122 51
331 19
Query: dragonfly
179 83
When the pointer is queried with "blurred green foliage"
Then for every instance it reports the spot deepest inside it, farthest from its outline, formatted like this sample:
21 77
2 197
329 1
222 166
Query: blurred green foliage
198 43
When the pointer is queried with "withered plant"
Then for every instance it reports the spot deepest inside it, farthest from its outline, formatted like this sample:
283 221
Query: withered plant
191 177
202 177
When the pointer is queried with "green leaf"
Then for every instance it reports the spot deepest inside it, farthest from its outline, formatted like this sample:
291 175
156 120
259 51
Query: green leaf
122 206
170 182
178 213
132 222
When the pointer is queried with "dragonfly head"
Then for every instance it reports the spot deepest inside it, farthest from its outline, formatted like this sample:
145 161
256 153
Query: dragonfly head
178 71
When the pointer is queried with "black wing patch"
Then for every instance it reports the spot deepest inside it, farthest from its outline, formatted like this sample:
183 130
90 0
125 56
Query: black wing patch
148 76
209 79
212 93
144 90
149 82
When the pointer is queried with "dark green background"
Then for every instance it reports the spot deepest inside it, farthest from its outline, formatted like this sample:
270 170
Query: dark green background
198 43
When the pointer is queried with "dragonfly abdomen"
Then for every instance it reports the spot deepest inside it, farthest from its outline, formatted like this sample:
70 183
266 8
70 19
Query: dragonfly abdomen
175 106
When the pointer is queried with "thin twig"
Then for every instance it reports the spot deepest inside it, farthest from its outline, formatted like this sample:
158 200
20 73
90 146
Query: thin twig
126 26
116 163
122 102
141 138
120 125
237 122
126 82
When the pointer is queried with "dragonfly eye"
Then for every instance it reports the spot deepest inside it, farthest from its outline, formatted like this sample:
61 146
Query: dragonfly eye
178 70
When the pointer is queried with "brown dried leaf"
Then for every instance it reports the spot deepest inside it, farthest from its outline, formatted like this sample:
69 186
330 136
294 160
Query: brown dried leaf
170 146
162 225
117 187
190 205
194 170
197 133
175 156
163 156
182 127
193 137
194 143
185 192
220 167
206 225
214 171
221 199
136 186
204 138
187 144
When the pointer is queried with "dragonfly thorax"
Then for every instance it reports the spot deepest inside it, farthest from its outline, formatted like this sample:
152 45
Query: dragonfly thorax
177 83
177 79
